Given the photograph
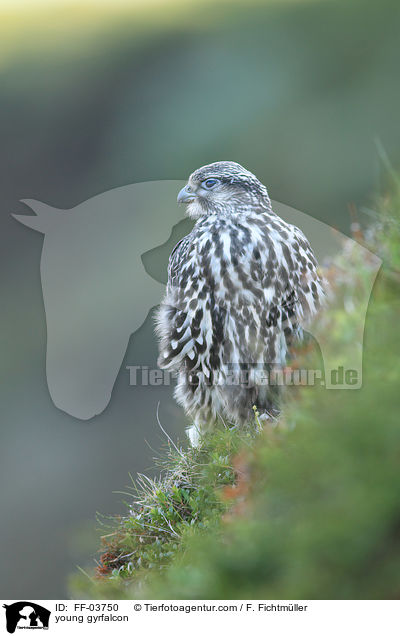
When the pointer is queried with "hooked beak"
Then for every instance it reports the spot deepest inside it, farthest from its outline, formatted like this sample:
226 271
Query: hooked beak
186 195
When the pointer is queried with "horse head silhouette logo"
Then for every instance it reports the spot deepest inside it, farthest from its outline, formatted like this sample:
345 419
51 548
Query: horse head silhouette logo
97 292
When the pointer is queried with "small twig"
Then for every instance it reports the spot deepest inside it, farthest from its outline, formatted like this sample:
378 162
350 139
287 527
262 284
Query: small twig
82 571
166 434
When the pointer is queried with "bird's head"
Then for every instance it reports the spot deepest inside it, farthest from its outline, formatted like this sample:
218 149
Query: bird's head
223 187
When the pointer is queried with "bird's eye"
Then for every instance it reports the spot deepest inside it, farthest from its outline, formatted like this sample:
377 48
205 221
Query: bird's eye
210 183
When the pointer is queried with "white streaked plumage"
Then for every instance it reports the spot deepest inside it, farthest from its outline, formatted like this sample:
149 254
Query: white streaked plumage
240 288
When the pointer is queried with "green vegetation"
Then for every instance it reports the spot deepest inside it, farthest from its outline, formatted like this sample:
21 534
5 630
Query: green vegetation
307 508
189 499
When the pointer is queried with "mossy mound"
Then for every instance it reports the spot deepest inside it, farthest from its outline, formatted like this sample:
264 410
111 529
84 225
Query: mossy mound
307 508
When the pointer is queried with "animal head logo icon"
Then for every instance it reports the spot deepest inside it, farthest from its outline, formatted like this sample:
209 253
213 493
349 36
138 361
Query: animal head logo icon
97 292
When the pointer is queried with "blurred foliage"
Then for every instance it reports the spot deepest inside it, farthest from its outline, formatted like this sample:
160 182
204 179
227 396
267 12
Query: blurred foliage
309 508
297 91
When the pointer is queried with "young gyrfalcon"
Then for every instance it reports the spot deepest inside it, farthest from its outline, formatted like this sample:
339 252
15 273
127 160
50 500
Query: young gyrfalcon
240 287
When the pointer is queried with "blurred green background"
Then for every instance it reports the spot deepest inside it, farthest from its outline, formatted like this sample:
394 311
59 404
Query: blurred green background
96 95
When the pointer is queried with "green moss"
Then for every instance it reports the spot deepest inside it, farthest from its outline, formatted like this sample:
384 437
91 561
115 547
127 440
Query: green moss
165 514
